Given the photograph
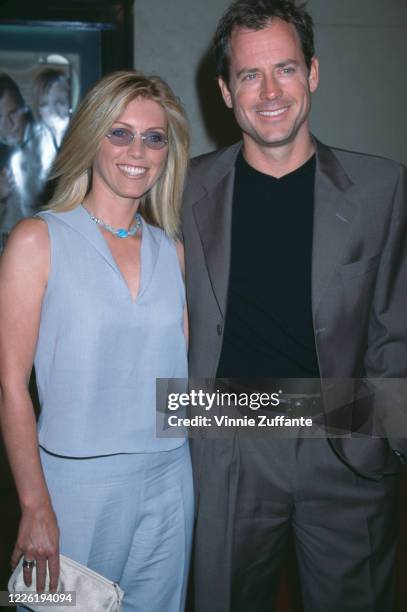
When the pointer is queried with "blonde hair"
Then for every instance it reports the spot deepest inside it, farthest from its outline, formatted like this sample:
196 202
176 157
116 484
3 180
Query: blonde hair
100 108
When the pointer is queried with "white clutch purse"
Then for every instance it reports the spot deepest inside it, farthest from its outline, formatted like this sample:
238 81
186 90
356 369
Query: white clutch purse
93 592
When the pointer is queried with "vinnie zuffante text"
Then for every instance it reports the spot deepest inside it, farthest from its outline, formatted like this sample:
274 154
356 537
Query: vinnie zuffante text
208 401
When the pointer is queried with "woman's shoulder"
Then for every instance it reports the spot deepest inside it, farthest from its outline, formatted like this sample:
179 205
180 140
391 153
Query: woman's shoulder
27 247
31 233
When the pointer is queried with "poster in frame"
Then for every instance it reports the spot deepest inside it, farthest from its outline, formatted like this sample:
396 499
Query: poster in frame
49 57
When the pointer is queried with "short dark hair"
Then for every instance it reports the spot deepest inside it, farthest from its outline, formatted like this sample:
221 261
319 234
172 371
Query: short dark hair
256 15
9 84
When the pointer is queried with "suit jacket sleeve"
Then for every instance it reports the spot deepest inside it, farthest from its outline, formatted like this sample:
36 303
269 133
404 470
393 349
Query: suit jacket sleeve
386 356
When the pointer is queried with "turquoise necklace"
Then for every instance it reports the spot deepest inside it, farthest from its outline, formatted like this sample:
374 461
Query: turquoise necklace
121 232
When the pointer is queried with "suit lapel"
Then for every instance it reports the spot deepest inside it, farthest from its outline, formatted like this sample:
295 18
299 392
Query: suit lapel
334 212
213 217
333 215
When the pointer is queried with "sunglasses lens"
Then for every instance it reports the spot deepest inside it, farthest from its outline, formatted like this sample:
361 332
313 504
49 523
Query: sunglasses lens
120 137
154 140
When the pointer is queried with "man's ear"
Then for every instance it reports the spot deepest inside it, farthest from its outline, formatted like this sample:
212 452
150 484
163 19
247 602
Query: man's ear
313 77
225 91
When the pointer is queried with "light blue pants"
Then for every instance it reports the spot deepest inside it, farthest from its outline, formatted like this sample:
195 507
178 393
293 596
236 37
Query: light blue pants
128 517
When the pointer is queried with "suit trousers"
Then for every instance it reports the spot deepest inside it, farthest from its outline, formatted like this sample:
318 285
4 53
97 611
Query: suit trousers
253 491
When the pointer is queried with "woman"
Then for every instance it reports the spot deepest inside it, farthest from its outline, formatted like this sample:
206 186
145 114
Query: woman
51 102
91 291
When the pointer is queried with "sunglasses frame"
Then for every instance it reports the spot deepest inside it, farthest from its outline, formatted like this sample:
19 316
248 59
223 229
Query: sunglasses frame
142 135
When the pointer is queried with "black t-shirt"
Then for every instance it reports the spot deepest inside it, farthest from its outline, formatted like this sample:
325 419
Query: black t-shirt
269 331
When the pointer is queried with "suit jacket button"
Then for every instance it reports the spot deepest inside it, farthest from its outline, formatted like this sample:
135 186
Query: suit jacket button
219 329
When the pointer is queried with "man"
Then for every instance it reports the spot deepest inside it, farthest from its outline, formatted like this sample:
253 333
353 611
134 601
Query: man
13 111
32 153
296 269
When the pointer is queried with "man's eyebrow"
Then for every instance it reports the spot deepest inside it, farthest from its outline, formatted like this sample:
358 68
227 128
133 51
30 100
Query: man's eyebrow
246 71
287 62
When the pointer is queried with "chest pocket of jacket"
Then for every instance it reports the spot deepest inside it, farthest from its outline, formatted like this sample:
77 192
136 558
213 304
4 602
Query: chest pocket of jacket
359 268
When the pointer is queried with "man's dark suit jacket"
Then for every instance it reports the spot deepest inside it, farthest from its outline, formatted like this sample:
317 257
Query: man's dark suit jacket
359 284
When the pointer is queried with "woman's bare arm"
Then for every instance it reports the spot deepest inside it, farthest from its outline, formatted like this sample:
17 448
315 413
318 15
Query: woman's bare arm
181 258
24 268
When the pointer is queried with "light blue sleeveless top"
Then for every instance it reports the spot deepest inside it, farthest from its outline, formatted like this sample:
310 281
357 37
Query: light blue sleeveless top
99 351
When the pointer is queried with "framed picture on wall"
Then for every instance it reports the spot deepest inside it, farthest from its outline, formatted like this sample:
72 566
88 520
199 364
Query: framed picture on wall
50 54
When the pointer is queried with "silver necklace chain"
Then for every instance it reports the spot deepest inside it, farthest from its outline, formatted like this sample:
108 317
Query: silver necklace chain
121 232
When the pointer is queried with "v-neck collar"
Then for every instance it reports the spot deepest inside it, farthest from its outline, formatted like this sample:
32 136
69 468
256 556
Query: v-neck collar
79 220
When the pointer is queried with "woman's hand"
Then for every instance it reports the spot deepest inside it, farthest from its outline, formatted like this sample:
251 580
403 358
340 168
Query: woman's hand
38 540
